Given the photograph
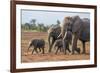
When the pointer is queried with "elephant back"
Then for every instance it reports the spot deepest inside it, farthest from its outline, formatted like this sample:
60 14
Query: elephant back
38 43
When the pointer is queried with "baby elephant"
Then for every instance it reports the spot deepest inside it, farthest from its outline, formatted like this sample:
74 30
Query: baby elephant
37 44
64 43
59 45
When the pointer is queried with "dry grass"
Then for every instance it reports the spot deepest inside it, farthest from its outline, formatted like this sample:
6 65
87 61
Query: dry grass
28 57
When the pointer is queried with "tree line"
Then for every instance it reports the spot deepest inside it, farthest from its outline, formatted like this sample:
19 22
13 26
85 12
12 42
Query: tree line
35 26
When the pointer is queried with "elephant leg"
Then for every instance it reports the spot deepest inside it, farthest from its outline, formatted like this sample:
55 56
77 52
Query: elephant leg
33 50
74 43
28 48
39 49
53 40
43 50
36 50
68 49
64 47
61 50
49 41
65 51
84 51
57 50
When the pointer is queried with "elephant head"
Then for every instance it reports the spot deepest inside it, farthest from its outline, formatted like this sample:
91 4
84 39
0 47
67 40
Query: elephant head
71 23
66 25
53 33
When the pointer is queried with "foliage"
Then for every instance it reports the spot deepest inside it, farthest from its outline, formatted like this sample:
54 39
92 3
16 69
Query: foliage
33 25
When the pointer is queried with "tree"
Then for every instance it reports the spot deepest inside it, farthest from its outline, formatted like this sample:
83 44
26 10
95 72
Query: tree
33 24
40 26
27 26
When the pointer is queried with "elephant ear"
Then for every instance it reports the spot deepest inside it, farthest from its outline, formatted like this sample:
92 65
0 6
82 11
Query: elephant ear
77 23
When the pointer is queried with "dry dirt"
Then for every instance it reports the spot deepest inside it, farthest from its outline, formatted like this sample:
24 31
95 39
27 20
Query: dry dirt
26 37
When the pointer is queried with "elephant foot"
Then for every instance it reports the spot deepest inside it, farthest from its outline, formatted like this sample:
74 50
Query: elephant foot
79 53
43 53
83 52
65 52
73 53
56 53
49 51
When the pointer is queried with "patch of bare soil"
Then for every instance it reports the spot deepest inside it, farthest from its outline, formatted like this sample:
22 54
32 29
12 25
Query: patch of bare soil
29 57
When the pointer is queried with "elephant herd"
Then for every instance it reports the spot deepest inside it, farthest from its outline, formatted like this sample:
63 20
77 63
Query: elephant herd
61 37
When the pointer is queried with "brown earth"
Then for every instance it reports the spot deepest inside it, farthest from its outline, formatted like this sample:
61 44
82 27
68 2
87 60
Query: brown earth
26 37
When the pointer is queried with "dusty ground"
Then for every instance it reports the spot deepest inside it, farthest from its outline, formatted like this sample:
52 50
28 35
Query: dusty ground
28 57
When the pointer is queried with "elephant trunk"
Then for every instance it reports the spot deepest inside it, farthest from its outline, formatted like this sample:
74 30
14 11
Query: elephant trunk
49 36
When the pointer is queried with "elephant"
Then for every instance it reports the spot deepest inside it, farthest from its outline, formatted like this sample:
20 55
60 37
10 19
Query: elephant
53 33
80 29
59 43
37 43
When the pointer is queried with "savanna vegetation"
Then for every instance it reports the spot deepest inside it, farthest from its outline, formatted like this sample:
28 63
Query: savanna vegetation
34 25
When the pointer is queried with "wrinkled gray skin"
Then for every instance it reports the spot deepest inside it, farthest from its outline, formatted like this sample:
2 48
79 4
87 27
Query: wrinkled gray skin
53 34
37 44
67 40
80 29
58 45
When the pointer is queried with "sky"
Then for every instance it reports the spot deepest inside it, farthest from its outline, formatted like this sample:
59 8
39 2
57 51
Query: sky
48 17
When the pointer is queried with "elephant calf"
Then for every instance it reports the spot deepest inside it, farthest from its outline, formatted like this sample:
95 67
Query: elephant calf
65 42
37 43
59 45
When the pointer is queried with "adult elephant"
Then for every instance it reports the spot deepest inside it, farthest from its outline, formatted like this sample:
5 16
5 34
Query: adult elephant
80 29
53 34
